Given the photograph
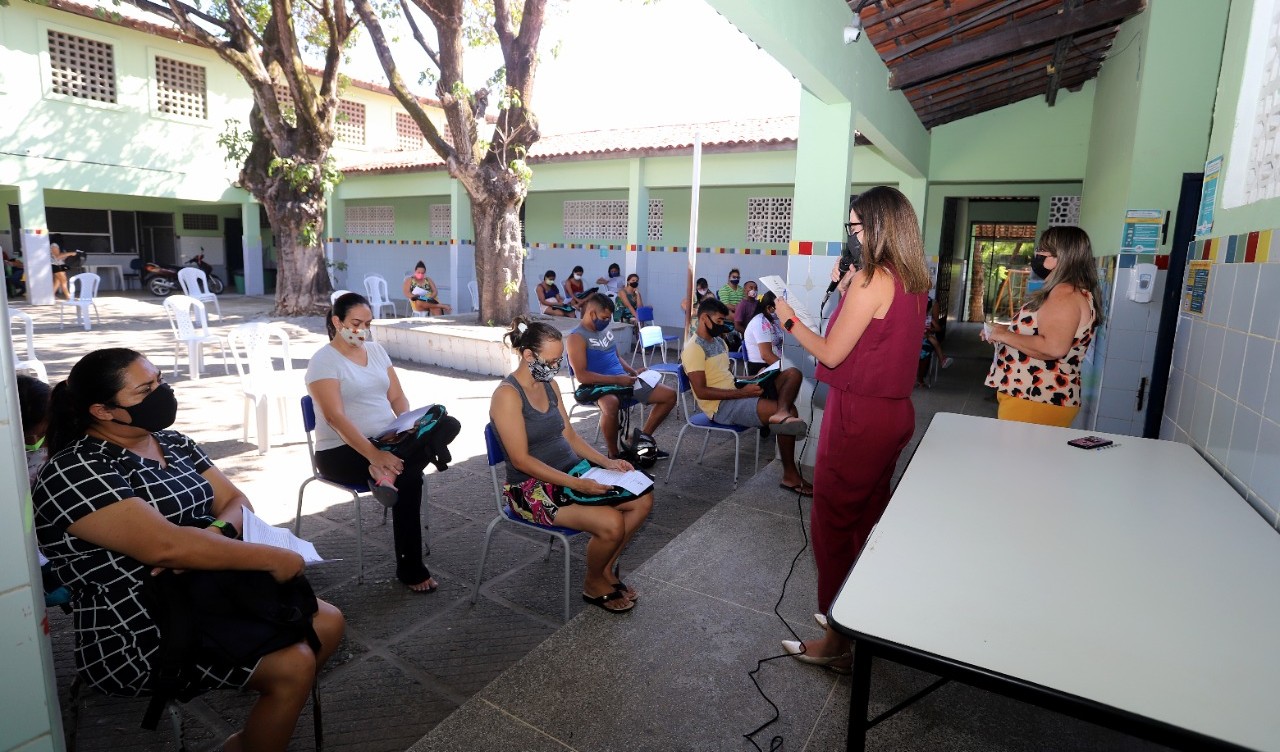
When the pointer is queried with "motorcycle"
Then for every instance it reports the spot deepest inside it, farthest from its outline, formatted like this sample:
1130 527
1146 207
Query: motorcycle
162 279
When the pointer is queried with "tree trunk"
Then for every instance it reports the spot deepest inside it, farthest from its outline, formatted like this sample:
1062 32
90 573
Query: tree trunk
302 280
499 260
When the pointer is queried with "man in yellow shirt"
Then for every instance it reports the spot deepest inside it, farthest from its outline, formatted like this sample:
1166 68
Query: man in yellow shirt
706 362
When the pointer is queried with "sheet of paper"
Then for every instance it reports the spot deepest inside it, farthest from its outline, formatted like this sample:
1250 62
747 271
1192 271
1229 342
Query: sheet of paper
774 366
779 288
635 481
420 292
650 377
256 530
404 422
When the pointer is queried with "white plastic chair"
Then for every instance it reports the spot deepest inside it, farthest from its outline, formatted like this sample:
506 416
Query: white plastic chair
190 324
84 288
30 363
473 287
251 349
333 296
415 314
196 285
375 288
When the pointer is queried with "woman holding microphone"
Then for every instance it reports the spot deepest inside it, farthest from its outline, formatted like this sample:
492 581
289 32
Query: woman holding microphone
868 358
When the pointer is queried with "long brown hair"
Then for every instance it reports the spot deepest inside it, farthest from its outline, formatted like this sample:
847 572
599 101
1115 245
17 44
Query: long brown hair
1076 267
891 235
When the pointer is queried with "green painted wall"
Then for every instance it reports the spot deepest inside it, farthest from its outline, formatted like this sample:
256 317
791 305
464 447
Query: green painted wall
1260 215
722 215
413 216
1027 140
1152 114
1004 211
433 183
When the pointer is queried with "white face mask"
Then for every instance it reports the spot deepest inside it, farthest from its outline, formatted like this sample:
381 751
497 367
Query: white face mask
355 337
577 276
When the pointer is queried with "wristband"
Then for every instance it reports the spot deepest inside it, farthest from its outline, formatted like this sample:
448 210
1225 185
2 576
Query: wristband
789 323
226 528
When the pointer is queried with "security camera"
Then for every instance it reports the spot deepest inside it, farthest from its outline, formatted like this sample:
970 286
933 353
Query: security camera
853 31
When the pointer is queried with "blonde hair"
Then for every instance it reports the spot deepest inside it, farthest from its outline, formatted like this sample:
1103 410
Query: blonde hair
892 237
1076 267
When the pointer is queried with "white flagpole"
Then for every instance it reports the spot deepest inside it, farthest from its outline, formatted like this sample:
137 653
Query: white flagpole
694 188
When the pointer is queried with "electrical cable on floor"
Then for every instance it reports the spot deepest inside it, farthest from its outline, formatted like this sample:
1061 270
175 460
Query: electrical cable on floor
776 744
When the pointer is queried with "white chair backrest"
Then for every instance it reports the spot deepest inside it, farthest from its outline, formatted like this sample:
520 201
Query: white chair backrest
650 336
376 287
186 324
84 286
474 288
251 349
193 282
18 316
333 296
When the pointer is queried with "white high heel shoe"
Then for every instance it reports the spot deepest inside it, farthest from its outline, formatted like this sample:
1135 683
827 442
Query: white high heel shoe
796 650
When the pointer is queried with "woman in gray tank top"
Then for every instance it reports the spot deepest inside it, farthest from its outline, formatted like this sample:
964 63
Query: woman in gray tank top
541 447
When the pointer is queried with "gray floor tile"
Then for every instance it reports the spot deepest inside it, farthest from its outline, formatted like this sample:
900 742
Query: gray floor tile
480 725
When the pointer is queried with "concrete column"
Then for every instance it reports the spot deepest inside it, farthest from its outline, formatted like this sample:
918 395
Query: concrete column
29 716
637 217
917 192
253 277
35 244
460 231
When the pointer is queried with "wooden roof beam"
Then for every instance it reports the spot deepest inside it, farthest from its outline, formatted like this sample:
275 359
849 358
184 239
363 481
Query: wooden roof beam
1011 39
933 117
1060 49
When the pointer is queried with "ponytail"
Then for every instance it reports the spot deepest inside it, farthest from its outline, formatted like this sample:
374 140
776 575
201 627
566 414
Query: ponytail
95 379
527 334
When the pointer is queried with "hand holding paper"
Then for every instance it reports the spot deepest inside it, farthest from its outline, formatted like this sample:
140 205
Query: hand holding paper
780 289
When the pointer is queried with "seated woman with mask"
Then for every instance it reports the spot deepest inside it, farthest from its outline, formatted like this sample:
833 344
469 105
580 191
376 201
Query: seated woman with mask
122 497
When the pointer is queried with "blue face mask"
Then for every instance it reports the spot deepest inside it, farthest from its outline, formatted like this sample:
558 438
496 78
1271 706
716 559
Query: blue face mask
601 324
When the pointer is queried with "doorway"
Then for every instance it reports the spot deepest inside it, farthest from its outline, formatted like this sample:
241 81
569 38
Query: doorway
999 269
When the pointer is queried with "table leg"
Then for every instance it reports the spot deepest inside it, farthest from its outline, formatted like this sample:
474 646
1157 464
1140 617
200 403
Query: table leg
859 697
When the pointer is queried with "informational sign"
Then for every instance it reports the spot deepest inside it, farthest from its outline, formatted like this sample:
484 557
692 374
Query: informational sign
1193 294
1142 230
1208 195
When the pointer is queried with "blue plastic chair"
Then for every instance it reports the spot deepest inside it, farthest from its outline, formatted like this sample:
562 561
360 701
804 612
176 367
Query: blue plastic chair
493 447
738 358
700 421
644 317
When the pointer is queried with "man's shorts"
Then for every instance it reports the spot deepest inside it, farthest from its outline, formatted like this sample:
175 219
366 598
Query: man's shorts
738 412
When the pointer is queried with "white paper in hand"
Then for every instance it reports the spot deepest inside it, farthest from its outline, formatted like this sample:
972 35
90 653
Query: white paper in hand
420 292
256 530
634 481
780 289
650 377
404 422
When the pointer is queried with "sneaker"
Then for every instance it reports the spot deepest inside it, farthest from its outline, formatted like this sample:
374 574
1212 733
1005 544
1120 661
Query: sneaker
947 363
661 455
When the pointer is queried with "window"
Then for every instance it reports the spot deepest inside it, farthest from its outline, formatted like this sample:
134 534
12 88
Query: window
655 220
82 68
769 220
408 134
349 125
1263 178
180 89
200 222
370 220
597 220
440 216
1064 211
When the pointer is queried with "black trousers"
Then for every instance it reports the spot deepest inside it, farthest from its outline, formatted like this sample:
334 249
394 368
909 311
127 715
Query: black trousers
345 465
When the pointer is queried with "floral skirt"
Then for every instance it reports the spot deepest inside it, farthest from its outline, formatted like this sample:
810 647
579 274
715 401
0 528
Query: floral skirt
534 500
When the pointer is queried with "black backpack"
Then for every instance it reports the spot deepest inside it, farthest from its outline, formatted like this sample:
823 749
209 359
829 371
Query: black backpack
639 448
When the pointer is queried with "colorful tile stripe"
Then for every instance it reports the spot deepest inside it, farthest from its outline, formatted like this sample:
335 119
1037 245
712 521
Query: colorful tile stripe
1246 248
392 241
661 249
815 248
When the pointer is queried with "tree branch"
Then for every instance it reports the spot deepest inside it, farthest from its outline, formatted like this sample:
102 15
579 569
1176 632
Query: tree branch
164 11
410 102
502 22
417 34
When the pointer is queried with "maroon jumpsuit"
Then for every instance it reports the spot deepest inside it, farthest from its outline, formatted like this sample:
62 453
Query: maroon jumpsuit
867 423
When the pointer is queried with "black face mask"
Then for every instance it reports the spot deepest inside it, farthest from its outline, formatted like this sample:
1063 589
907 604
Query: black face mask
853 249
716 330
154 413
633 285
1037 267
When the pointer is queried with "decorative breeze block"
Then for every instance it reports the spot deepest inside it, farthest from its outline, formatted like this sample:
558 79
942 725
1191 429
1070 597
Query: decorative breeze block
408 135
655 220
348 127
1064 210
596 219
371 220
769 220
180 89
441 214
82 68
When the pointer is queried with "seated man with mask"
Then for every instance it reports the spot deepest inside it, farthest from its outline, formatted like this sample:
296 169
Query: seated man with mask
605 379
706 363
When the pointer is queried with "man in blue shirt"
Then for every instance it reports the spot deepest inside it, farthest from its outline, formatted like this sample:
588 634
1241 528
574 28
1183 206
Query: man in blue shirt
595 363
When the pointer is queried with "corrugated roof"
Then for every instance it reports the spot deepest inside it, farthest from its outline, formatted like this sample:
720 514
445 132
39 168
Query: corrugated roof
763 134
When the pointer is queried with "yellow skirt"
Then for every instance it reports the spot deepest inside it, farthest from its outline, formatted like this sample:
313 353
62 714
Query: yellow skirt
1026 411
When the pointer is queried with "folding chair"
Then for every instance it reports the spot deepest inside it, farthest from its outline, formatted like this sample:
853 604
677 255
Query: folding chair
573 385
700 421
496 457
474 288
357 492
738 359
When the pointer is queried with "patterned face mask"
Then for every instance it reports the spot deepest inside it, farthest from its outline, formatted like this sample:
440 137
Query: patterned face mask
355 337
543 371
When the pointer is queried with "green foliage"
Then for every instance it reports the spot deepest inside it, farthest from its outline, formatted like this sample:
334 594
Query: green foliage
510 98
460 91
511 288
305 177
235 142
522 171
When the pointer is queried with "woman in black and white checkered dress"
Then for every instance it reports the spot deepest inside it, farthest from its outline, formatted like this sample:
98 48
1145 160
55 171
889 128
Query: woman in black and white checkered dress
121 497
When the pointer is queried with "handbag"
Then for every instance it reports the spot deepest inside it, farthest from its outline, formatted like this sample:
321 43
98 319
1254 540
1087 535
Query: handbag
224 617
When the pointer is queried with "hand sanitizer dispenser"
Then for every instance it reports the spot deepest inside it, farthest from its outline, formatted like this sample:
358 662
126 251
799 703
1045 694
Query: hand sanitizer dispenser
1142 281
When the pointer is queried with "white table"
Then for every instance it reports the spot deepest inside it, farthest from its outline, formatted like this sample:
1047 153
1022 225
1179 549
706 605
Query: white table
1131 586
108 270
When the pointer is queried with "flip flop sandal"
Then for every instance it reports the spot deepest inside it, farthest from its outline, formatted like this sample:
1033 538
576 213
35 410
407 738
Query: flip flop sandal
803 489
600 602
621 587
794 427
431 589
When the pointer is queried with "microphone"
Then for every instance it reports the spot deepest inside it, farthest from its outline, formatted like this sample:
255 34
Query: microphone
847 261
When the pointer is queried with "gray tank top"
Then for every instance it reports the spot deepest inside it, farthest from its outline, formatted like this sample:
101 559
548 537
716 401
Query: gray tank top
545 433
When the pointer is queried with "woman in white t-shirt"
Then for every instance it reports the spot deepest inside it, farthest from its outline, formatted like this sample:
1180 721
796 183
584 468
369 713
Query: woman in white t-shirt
764 335
357 394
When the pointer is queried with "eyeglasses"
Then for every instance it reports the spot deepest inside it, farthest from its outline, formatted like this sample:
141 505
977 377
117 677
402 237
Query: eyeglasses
1046 252
852 227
